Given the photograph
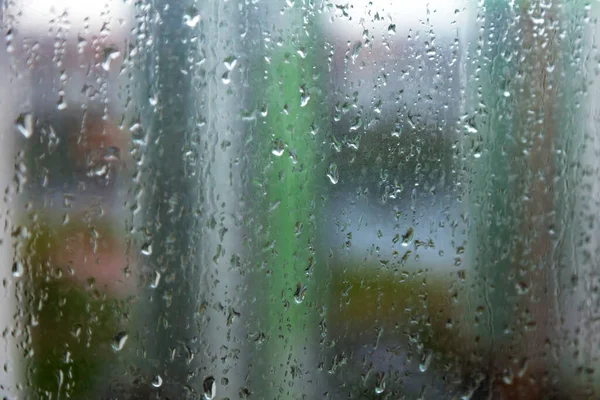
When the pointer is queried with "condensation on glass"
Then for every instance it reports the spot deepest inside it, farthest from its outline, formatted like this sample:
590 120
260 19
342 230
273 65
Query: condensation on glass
299 199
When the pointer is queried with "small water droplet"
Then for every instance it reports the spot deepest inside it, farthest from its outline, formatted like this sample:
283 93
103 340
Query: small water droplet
299 294
278 148
112 153
210 388
191 17
100 170
76 331
392 29
156 280
408 237
470 128
157 381
24 124
304 100
230 63
109 55
304 96
146 249
333 174
356 124
425 361
379 383
153 100
264 111
61 105
225 78
17 269
119 341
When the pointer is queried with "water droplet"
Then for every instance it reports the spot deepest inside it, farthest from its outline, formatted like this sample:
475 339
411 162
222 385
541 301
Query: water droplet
264 111
17 269
146 249
379 383
157 381
304 96
156 280
76 331
392 29
100 170
109 55
278 148
408 237
119 341
210 388
333 174
470 128
61 104
25 124
304 100
230 63
153 100
299 294
356 124
112 153
225 78
425 361
191 17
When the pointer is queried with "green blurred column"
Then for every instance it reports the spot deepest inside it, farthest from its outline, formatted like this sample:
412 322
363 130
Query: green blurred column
289 166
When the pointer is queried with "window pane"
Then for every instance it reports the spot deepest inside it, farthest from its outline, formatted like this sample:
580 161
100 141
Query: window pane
299 199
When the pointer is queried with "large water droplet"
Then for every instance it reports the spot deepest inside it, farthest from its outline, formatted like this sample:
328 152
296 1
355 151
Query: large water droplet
24 124
119 341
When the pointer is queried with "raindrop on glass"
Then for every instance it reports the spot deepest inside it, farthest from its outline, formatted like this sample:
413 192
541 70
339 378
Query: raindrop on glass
210 388
119 341
278 148
380 383
156 280
17 269
157 381
146 249
109 55
24 124
333 174
425 361
191 17
407 237
299 294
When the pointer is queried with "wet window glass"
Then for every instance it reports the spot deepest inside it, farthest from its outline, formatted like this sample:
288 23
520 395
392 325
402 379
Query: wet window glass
299 199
